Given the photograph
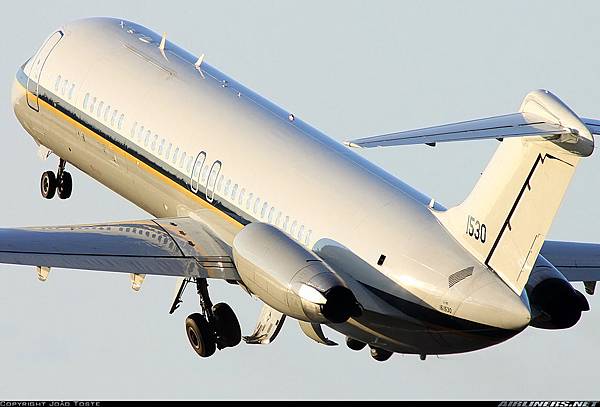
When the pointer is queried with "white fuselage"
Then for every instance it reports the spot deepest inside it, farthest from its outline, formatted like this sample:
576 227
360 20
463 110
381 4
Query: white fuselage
177 142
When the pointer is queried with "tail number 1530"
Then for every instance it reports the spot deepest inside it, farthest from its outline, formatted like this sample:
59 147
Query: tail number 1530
476 229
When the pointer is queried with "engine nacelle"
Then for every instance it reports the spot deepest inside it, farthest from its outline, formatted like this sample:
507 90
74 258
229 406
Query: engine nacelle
290 278
555 304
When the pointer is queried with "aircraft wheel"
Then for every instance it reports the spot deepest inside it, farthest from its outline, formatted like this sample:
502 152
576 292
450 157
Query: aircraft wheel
200 335
65 185
354 344
48 184
227 325
381 355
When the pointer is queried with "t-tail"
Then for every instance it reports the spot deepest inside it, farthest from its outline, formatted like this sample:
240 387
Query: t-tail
505 219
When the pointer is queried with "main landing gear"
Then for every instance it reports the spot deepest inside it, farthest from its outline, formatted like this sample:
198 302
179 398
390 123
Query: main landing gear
379 354
61 183
216 327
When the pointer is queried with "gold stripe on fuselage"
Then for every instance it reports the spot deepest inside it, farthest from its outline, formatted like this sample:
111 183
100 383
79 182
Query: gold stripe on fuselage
128 156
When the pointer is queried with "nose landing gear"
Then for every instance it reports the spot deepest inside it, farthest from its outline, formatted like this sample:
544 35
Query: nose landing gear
216 327
61 183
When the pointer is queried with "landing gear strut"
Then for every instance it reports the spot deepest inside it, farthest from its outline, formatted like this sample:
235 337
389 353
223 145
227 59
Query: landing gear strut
61 183
216 327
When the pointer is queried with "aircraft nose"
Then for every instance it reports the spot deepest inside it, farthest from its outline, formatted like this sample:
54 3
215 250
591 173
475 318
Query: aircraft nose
495 304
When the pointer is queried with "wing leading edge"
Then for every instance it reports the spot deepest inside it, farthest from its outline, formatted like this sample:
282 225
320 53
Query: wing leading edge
179 247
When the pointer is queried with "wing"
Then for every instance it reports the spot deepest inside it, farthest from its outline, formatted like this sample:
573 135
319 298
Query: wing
498 127
181 247
576 261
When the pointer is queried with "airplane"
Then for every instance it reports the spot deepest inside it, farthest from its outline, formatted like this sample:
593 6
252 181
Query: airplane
241 190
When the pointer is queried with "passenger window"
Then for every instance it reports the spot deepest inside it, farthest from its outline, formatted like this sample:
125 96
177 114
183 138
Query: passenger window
189 163
249 201
64 87
120 123
100 106
154 140
176 155
86 99
71 91
140 133
113 118
147 138
271 212
204 174
278 218
182 162
106 112
57 83
255 207
234 192
301 233
93 105
220 184
227 184
285 223
307 240
293 228
168 152
241 198
263 211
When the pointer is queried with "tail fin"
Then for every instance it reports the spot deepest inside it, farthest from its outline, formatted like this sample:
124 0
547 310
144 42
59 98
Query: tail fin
505 219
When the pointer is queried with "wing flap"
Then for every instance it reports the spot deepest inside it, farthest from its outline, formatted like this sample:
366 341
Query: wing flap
499 127
172 247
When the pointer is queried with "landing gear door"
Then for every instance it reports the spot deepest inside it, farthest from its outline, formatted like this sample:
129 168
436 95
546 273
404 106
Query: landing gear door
35 72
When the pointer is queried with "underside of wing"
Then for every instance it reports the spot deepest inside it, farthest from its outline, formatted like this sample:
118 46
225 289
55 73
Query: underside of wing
576 261
180 247
498 127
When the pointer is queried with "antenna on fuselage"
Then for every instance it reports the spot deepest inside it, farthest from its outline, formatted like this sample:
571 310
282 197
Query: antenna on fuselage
198 65
161 46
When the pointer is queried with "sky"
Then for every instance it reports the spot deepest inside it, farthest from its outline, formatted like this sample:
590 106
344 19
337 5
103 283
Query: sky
352 69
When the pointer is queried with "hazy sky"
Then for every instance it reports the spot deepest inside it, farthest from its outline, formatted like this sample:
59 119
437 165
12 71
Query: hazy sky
352 69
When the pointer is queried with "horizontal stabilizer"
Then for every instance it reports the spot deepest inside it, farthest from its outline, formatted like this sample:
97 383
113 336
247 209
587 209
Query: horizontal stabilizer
499 127
592 125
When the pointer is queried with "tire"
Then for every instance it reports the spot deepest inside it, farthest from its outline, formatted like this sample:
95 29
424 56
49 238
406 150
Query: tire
48 185
381 355
65 185
354 344
227 325
200 335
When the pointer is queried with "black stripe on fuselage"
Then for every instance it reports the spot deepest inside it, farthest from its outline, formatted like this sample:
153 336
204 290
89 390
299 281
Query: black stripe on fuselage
113 138
440 322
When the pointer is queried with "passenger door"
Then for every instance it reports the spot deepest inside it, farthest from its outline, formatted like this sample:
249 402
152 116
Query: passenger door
197 171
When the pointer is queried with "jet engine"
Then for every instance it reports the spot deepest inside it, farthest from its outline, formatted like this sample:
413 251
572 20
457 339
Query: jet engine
289 278
555 304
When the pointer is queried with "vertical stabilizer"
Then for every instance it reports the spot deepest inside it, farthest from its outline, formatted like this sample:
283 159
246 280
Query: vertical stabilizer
505 219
